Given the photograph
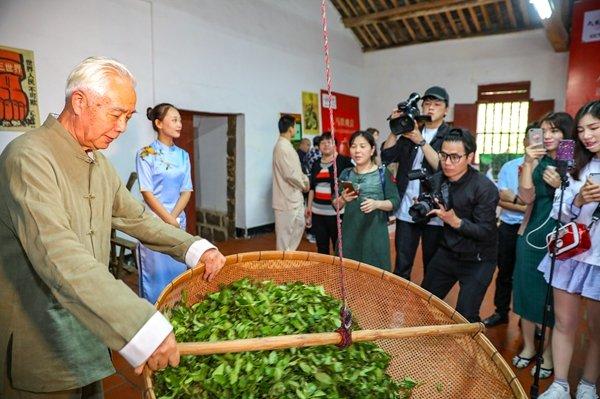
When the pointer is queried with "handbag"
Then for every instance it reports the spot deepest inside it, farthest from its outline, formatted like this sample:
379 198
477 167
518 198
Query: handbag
573 238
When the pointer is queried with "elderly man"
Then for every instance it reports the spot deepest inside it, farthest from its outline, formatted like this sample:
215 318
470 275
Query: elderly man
59 197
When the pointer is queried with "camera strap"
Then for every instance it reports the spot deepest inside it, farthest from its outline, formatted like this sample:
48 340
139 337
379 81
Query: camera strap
595 217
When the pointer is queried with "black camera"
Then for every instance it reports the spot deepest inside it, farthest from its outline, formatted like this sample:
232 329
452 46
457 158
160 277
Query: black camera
405 123
434 187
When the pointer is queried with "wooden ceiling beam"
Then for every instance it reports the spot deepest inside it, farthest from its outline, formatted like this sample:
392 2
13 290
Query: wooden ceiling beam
555 29
463 21
486 17
452 23
364 29
441 23
524 6
431 27
511 13
414 10
475 19
410 31
341 4
382 36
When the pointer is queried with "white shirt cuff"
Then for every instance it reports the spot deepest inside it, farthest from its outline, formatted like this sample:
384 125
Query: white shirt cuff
195 252
146 340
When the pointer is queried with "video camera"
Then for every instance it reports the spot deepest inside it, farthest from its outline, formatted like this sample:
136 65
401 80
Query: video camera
405 123
433 187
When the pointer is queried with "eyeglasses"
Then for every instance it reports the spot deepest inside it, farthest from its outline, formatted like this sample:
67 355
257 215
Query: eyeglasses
454 158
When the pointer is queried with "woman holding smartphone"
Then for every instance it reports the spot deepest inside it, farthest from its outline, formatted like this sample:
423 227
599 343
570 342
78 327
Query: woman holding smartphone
538 181
578 277
164 172
364 231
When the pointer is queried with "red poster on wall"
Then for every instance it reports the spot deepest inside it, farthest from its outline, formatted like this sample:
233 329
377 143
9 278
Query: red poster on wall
346 118
583 82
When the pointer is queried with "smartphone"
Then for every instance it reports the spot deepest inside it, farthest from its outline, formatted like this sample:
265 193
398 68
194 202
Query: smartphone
347 185
566 151
536 137
594 178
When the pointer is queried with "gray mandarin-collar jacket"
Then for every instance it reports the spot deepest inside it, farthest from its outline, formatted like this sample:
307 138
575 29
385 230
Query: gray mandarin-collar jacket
59 305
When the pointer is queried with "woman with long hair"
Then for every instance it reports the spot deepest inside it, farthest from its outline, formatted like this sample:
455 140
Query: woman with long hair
538 180
368 197
578 278
166 185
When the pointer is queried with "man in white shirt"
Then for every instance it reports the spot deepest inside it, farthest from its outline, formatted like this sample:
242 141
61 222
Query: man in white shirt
289 182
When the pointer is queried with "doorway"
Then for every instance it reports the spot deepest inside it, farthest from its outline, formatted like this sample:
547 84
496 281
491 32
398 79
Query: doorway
211 140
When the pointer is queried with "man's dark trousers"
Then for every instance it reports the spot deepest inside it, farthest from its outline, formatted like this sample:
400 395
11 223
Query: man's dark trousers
473 276
507 250
407 242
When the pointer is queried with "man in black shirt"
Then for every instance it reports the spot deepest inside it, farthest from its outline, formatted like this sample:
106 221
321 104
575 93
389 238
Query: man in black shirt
469 247
416 150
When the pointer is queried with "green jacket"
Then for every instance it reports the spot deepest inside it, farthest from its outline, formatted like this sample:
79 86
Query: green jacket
59 305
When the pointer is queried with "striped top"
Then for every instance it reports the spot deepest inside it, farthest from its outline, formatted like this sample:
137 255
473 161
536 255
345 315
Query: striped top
321 181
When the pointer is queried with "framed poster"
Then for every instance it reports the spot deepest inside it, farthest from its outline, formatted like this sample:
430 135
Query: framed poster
310 113
346 118
18 90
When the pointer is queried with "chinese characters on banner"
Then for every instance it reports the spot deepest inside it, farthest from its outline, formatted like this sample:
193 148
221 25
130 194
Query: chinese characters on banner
18 90
583 81
346 118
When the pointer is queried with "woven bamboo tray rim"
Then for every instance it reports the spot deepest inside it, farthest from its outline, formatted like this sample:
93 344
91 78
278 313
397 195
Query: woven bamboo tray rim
482 341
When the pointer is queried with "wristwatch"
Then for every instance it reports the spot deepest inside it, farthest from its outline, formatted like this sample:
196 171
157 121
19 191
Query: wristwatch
422 143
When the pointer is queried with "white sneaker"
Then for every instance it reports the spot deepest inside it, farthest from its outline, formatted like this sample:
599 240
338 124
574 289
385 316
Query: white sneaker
555 391
586 392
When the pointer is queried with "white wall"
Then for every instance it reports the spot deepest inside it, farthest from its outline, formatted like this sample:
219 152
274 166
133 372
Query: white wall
460 66
252 57
211 162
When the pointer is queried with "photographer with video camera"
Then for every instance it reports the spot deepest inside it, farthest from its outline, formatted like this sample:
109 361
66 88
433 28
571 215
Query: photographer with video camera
415 147
468 250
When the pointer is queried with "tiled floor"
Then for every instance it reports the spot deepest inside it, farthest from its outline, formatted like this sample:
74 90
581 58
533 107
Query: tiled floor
506 338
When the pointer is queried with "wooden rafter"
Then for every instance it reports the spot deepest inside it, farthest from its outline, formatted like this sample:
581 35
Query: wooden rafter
441 23
463 21
499 14
511 13
340 4
410 31
414 10
452 23
375 25
555 29
431 27
475 19
523 5
486 17
365 29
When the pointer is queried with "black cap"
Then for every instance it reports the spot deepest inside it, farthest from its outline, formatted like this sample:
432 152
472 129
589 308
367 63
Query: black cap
437 92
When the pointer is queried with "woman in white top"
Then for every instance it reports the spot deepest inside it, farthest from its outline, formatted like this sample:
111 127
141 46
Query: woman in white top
578 277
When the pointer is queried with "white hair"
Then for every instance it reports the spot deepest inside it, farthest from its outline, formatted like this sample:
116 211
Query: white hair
92 74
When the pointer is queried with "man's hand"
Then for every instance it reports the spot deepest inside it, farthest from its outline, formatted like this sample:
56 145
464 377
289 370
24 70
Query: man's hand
165 355
213 263
448 217
415 136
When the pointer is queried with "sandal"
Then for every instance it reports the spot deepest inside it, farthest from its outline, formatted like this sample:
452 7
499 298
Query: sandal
521 362
544 372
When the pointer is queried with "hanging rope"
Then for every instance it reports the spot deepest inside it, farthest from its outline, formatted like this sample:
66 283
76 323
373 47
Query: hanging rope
345 329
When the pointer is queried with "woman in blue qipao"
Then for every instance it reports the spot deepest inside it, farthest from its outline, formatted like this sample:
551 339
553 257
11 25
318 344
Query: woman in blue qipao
166 185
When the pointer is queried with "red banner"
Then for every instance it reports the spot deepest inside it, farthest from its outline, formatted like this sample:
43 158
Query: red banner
346 118
583 83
